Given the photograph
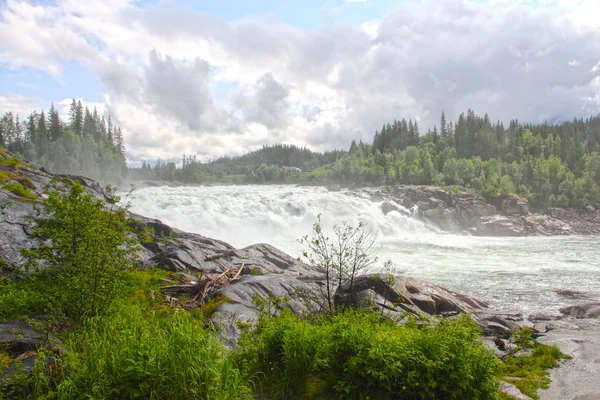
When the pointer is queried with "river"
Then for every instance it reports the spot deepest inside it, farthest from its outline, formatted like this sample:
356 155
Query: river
513 274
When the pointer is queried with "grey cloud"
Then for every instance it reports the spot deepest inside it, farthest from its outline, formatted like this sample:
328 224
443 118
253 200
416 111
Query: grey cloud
266 105
425 57
181 90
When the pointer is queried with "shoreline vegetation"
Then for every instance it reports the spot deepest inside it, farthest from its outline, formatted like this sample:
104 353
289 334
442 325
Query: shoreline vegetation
549 164
82 320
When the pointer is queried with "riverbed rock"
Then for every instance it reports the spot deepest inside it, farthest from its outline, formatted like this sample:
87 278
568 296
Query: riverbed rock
513 391
582 310
401 293
498 226
387 207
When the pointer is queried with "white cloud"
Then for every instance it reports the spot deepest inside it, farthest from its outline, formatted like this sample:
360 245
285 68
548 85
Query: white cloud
324 87
20 105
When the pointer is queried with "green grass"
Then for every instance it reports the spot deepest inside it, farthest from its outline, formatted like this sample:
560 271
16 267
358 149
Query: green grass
25 182
530 373
5 176
206 311
11 162
144 349
4 360
19 190
356 355
18 301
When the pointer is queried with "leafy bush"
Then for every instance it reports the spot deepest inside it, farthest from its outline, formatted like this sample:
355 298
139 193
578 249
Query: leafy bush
343 258
354 355
83 253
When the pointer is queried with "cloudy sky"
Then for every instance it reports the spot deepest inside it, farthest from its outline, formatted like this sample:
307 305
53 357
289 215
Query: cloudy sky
224 77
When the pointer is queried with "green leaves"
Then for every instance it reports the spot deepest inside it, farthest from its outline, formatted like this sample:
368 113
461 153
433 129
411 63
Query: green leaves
356 355
83 252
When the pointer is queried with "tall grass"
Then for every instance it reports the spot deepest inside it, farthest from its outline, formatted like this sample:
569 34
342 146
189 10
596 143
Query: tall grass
354 355
142 354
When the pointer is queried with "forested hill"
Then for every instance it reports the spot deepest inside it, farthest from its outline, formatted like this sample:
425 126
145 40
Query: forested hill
549 164
87 144
274 163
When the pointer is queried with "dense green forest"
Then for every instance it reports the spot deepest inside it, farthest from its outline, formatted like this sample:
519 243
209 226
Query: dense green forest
550 165
275 163
88 144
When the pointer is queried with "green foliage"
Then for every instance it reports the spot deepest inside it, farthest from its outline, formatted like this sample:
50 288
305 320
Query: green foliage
356 355
11 162
19 190
140 353
19 302
530 373
523 338
271 164
89 145
210 306
83 252
5 176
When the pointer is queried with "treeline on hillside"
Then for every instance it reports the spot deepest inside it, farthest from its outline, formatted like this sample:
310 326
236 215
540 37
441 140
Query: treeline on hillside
550 165
276 163
88 144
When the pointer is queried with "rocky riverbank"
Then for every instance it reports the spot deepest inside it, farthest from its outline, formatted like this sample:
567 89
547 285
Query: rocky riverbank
465 212
263 269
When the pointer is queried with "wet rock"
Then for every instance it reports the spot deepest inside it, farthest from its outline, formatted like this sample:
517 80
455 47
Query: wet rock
572 293
513 391
498 226
402 293
387 207
582 310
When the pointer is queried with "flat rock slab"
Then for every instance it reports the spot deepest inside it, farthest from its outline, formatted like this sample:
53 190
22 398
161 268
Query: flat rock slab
578 378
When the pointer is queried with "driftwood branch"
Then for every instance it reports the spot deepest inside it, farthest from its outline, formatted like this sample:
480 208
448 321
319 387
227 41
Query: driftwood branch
199 292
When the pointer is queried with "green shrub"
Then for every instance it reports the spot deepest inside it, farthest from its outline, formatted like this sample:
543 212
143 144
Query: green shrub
85 252
142 354
354 355
19 190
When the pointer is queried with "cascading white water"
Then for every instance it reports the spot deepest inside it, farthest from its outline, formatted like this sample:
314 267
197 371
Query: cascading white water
514 274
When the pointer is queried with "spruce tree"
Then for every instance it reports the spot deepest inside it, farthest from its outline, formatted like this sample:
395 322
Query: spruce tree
54 125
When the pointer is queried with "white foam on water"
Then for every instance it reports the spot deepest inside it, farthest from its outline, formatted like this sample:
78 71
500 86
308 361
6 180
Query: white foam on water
516 274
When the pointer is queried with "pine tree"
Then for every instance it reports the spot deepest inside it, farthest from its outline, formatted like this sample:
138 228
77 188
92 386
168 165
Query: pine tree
78 127
119 142
73 115
54 125
89 128
443 127
41 144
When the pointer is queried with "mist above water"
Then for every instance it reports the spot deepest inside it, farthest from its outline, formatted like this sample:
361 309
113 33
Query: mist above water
514 274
